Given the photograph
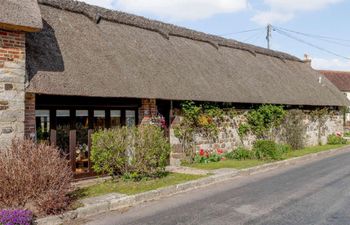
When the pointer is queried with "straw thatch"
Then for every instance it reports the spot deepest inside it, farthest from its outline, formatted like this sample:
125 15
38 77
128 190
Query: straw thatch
90 51
21 15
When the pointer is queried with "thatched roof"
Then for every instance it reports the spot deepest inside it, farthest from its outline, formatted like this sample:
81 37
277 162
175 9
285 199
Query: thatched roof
341 79
23 15
90 51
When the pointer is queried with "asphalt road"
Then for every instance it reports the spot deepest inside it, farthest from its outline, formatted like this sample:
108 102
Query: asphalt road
313 193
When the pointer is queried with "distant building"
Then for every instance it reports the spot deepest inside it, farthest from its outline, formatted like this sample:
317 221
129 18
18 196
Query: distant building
341 79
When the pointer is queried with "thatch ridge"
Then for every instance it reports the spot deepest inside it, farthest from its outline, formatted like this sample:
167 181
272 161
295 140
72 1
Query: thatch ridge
23 15
165 29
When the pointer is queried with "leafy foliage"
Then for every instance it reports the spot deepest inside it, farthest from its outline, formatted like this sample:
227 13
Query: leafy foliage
267 150
206 157
133 152
334 139
294 129
199 118
240 154
109 151
261 121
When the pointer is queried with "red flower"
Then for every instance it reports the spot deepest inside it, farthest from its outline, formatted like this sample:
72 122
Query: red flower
207 154
220 151
201 152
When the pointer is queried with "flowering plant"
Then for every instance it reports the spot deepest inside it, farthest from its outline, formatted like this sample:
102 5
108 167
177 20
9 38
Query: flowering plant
16 217
207 157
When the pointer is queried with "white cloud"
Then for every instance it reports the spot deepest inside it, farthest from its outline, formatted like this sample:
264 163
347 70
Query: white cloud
175 9
103 3
284 10
330 64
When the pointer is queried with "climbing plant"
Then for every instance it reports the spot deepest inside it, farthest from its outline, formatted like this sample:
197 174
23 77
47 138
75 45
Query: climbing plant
263 120
294 128
199 118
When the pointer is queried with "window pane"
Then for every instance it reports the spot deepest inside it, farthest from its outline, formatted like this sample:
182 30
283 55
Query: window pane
63 127
115 118
82 149
99 119
130 118
42 118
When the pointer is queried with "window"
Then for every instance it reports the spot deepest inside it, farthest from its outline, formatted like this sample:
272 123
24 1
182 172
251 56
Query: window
130 118
99 119
42 118
63 127
82 148
115 118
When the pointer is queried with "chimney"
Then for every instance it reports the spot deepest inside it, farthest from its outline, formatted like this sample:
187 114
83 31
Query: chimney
307 59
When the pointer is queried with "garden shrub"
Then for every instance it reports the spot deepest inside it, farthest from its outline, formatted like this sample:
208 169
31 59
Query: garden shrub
266 150
294 129
34 174
109 151
132 152
150 152
240 154
334 139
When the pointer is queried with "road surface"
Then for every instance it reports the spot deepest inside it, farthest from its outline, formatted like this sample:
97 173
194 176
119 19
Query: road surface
314 193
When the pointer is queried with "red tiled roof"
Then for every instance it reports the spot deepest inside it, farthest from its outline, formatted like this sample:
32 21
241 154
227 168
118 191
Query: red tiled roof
341 79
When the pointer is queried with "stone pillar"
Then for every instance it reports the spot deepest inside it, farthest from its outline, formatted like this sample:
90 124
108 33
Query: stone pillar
12 86
177 153
147 110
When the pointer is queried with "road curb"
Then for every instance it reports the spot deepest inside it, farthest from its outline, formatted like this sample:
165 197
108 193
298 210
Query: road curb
129 201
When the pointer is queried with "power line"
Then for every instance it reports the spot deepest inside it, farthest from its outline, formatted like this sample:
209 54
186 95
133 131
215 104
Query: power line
331 40
240 32
313 35
310 44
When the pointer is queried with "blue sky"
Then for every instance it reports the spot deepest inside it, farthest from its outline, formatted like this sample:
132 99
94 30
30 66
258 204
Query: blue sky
319 17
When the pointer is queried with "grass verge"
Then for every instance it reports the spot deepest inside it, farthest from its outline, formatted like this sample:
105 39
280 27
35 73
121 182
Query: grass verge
131 187
243 164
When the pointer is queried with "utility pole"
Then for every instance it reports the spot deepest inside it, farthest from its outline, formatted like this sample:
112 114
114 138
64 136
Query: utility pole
268 35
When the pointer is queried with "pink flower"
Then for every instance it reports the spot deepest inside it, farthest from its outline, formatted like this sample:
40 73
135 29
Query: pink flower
339 134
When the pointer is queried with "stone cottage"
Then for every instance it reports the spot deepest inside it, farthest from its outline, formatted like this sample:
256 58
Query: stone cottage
67 68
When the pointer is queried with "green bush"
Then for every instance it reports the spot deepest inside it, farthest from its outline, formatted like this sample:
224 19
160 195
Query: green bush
109 151
240 154
150 152
284 148
334 139
267 150
132 152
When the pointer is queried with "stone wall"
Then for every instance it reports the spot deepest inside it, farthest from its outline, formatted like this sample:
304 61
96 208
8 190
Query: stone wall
228 138
12 85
